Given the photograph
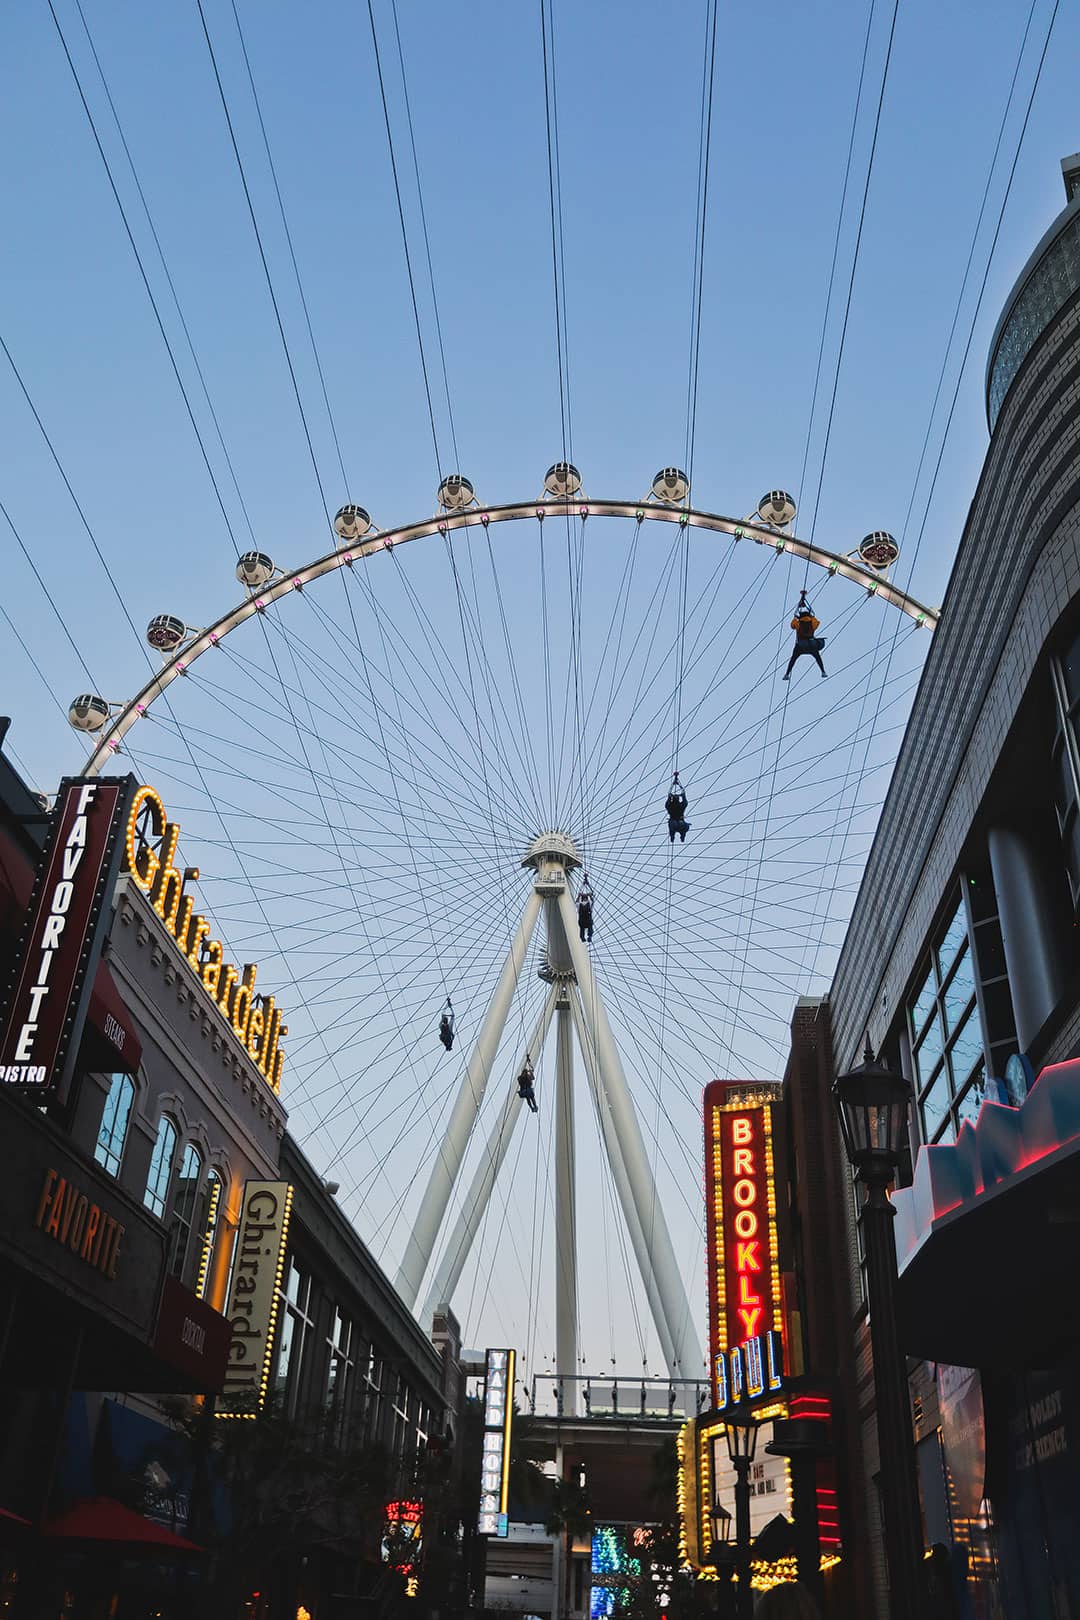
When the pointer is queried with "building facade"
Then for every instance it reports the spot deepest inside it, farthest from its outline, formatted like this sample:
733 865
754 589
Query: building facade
127 1291
962 961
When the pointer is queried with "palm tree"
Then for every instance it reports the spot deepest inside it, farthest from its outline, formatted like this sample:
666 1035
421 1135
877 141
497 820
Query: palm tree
569 1516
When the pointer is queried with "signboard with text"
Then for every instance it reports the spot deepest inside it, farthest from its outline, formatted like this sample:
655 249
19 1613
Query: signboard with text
254 1292
254 1020
47 998
746 1316
495 1458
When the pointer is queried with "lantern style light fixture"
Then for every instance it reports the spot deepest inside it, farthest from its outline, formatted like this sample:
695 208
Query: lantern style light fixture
872 1102
741 1432
721 1521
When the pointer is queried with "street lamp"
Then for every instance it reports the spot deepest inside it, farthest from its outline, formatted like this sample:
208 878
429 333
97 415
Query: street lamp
741 1435
720 1519
872 1102
721 1554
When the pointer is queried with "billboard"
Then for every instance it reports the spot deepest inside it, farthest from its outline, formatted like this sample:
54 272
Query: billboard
746 1313
60 946
254 1293
495 1458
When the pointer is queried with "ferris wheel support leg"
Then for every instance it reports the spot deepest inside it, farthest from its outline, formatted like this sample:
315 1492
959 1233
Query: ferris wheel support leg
618 1171
476 1200
685 1359
566 1294
447 1166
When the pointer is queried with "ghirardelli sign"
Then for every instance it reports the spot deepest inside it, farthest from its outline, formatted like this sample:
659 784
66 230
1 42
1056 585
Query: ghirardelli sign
253 1293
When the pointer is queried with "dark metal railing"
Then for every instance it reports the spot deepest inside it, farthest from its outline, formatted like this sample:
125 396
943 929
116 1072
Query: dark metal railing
659 1400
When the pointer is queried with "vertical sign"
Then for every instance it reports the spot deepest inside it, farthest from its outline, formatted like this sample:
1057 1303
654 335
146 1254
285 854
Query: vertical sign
495 1461
745 1301
254 1293
60 946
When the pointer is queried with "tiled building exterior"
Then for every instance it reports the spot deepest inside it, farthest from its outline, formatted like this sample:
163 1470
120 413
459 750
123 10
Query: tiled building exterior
963 949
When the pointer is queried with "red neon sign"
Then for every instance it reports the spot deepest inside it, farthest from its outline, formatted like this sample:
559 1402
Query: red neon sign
743 1263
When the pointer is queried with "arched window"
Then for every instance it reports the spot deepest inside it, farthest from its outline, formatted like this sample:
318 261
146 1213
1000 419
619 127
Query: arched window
188 1188
157 1182
212 1213
114 1123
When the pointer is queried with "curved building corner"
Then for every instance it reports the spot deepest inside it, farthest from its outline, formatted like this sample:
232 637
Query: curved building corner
962 960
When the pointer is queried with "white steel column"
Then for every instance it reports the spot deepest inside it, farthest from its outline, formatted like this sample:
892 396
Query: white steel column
447 1166
622 1181
566 1295
685 1357
476 1199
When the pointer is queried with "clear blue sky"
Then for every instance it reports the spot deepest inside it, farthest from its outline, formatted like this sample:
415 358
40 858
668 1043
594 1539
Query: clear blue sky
81 329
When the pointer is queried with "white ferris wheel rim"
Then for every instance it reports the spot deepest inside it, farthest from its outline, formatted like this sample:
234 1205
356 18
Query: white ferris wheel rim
346 553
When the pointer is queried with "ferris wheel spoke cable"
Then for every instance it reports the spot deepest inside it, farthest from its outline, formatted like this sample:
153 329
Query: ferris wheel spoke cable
695 957
414 743
316 356
149 291
446 785
451 675
941 377
436 1123
851 281
97 549
61 621
292 831
835 254
424 232
633 770
174 296
529 763
474 635
656 718
656 601
982 290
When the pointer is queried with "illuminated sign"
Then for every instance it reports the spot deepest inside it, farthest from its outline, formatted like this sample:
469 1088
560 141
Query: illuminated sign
58 953
403 1537
748 1371
255 1021
254 1292
745 1299
71 1216
495 1458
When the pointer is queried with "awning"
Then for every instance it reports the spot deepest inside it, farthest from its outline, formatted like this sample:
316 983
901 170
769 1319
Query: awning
109 1025
101 1518
986 1234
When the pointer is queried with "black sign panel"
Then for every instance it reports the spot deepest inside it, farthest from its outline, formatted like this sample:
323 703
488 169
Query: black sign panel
74 1229
47 998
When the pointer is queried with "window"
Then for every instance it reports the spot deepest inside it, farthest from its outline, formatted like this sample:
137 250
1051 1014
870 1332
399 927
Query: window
188 1189
295 1323
373 1376
156 1195
944 1026
1065 758
215 1191
400 1443
339 1374
114 1123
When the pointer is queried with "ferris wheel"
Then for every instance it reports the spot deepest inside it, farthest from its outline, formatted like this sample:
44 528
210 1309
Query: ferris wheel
403 786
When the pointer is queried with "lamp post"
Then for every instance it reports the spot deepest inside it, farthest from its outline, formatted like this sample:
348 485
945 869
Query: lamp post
741 1435
872 1102
721 1555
